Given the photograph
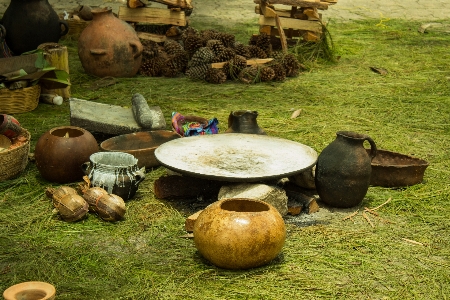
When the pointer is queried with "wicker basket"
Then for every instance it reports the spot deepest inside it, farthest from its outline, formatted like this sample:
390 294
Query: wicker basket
14 161
76 27
20 100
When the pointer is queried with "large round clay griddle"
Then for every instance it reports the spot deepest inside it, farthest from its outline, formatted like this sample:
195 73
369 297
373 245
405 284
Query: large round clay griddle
236 157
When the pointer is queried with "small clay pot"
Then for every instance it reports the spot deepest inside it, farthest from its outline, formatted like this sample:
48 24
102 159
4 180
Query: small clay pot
61 151
244 121
239 233
31 290
116 172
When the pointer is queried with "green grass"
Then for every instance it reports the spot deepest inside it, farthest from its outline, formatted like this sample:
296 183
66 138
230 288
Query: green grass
143 257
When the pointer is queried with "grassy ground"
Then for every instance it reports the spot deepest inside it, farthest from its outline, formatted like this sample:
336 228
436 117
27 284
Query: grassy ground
144 257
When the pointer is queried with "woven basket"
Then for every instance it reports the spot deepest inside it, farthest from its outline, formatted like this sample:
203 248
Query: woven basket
20 100
14 161
76 27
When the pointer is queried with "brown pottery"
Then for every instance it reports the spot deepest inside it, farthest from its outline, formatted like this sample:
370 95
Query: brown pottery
244 121
29 23
343 170
30 290
109 46
116 172
61 151
141 145
392 169
239 233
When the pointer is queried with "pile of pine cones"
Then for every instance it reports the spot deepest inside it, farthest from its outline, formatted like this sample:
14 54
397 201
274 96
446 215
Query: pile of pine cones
196 50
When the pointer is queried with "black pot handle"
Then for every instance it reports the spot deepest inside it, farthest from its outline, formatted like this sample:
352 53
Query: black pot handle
373 147
66 27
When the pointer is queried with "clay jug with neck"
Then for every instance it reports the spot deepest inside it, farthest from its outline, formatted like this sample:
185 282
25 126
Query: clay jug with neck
343 170
29 23
109 46
244 121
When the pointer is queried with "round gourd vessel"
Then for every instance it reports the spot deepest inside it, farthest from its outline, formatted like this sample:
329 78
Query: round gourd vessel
61 151
31 290
239 233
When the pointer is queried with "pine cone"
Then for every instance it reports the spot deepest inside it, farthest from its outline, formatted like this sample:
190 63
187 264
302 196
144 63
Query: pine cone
263 42
256 52
215 76
250 75
193 42
267 73
210 34
280 72
216 46
202 56
227 39
150 49
172 47
234 66
179 61
291 65
242 50
198 72
152 67
225 55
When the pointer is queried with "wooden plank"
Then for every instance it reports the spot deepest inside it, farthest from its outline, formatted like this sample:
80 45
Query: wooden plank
274 31
311 36
250 62
312 13
284 46
266 29
267 11
152 15
301 3
292 23
177 3
151 37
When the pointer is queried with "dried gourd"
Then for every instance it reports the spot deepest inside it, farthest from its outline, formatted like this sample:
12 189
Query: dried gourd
57 194
71 207
111 207
92 195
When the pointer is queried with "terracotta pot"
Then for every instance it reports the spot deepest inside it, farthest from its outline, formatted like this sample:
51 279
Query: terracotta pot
61 151
109 46
244 121
343 170
31 290
116 172
141 145
30 23
9 126
239 233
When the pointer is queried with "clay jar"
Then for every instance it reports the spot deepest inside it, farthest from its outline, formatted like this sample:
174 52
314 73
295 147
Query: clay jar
109 46
244 121
61 151
30 23
116 172
343 170
239 233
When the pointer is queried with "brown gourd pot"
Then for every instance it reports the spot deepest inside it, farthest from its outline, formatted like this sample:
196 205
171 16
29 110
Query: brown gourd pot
239 233
109 46
343 170
244 121
61 151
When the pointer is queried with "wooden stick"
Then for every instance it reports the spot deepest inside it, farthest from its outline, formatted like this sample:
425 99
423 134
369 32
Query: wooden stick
284 46
301 3
368 219
351 215
388 200
371 211
250 62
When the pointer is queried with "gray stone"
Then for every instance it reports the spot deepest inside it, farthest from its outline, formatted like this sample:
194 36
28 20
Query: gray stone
272 195
109 119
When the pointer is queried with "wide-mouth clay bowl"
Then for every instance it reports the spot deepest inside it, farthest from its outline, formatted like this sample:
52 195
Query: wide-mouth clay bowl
391 169
30 290
141 145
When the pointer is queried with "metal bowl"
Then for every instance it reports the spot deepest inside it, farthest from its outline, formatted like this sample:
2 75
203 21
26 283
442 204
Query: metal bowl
391 169
141 145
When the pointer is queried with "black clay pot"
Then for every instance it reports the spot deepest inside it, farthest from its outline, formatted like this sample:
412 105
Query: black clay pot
30 23
244 121
343 170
